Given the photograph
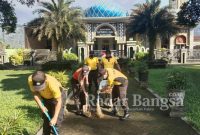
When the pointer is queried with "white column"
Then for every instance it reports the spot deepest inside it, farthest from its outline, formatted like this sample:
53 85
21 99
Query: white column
85 52
92 47
123 49
191 38
128 51
119 49
79 53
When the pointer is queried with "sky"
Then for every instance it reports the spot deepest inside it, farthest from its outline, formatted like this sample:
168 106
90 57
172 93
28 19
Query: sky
25 14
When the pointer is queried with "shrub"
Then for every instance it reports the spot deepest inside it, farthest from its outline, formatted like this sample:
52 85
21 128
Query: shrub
62 65
159 63
12 125
61 76
141 66
17 59
124 62
176 81
69 56
141 56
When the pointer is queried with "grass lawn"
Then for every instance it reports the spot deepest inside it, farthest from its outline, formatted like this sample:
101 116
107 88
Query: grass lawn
15 95
158 77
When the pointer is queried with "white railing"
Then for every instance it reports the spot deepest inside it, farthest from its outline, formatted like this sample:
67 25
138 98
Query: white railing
175 54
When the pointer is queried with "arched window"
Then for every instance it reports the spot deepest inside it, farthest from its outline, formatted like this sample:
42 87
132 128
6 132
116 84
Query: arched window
180 40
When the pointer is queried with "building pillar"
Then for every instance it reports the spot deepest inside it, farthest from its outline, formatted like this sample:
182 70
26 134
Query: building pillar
123 50
119 50
128 52
79 54
92 47
82 51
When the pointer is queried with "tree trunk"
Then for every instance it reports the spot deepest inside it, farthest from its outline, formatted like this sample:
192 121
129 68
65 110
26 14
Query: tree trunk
54 45
60 51
158 41
152 42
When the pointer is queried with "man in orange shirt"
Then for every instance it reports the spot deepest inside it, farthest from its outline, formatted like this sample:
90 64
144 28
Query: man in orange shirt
79 84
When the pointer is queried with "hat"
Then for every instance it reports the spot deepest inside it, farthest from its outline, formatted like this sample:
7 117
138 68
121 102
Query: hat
38 79
102 71
85 69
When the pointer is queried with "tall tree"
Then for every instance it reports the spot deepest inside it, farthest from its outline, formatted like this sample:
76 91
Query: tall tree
189 15
8 19
153 21
59 22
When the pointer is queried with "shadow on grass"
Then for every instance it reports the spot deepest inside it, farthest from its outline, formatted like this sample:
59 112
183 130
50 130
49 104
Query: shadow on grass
18 83
33 114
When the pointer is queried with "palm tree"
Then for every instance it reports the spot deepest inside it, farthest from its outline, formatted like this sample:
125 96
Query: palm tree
151 20
58 22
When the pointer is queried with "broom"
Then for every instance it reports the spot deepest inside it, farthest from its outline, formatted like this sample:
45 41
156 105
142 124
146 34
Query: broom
99 112
86 108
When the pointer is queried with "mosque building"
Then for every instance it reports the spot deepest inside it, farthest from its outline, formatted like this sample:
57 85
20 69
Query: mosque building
106 26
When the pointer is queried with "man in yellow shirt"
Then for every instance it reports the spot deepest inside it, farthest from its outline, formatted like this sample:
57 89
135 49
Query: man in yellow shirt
118 82
109 61
92 62
49 96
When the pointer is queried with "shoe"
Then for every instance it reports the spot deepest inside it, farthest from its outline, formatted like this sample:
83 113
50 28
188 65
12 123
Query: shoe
87 114
115 112
126 116
78 112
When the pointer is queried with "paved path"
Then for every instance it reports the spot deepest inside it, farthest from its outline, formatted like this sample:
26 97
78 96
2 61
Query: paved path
152 122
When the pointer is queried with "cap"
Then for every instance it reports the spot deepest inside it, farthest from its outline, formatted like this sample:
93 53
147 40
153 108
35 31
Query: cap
85 69
38 79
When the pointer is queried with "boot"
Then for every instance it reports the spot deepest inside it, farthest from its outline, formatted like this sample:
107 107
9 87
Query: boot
78 111
115 112
126 115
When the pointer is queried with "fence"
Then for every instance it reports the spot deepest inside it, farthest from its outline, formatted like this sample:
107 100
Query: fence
174 55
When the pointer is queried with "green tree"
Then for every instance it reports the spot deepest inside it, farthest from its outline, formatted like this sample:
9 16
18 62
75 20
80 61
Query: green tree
60 23
153 21
189 15
8 19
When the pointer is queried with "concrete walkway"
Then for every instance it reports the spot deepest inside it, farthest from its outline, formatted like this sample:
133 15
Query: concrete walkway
141 122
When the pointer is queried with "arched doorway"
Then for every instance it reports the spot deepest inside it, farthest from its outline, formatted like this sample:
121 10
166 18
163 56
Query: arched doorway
132 52
82 54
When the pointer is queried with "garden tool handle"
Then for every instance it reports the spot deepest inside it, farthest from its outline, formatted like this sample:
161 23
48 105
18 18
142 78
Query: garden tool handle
49 118
53 127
